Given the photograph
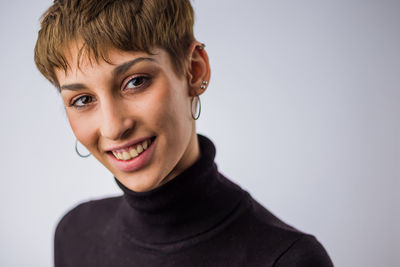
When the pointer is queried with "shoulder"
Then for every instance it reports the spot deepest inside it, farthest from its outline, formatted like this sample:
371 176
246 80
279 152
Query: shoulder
281 244
81 227
306 251
87 215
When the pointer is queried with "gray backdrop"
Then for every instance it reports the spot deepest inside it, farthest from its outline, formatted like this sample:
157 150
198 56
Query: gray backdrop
303 107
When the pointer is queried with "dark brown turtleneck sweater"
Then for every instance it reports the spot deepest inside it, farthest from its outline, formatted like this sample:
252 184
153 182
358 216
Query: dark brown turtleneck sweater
199 218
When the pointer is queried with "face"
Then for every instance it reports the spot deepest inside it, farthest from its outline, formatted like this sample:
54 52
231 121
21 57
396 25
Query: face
133 115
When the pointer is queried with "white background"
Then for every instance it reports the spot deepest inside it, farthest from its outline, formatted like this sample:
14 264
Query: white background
303 107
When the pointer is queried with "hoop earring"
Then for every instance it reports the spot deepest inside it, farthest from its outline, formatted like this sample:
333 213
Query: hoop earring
194 116
77 151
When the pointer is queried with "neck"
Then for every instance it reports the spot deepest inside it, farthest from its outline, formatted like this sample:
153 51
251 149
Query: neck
191 203
189 157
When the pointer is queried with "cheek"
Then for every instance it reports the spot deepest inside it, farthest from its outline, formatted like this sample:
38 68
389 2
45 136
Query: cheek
169 108
83 129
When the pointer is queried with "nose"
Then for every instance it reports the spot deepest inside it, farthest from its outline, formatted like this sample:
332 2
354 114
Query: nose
116 122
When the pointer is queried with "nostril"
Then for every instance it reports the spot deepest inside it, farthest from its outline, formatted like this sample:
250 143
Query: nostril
116 130
126 133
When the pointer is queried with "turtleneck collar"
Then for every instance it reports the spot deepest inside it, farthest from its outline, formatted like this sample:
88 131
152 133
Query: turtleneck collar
192 203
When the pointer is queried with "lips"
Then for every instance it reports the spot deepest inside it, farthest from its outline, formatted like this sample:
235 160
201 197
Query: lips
132 151
133 157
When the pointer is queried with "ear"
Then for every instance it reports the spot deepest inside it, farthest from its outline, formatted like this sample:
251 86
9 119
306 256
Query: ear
198 69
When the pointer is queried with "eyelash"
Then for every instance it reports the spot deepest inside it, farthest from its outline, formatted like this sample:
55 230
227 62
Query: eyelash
145 80
75 100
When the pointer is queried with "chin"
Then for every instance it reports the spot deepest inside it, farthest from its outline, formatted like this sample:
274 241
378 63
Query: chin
139 182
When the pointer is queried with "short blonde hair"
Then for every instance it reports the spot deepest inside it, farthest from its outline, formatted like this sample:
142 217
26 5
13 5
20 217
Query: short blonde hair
128 25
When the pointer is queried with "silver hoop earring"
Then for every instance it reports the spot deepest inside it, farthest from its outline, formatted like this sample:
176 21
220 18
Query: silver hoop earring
195 116
77 151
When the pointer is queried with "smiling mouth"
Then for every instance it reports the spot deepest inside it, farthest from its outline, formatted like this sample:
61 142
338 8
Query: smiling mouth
131 152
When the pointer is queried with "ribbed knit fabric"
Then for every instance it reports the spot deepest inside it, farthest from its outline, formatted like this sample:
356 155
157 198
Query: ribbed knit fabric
199 218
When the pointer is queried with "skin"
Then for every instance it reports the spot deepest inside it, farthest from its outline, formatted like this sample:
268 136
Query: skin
147 99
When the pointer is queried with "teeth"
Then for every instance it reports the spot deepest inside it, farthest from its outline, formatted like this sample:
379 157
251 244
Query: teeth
117 155
133 153
125 155
139 149
144 145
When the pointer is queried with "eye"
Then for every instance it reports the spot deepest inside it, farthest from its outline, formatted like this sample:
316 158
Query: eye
137 82
82 101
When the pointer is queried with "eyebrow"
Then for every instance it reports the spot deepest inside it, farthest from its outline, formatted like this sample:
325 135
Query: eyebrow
116 72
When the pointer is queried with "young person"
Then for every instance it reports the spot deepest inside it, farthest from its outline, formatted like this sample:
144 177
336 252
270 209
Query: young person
131 73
